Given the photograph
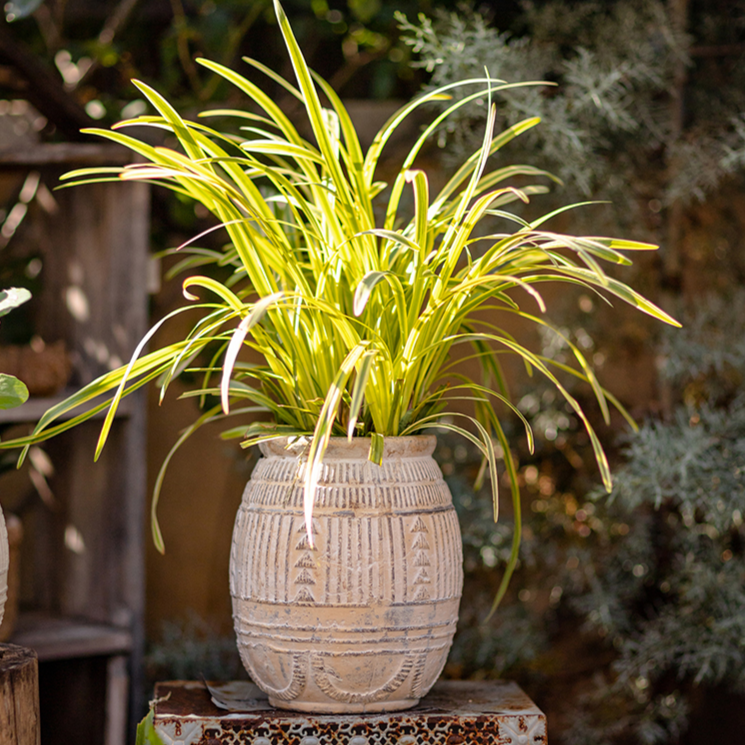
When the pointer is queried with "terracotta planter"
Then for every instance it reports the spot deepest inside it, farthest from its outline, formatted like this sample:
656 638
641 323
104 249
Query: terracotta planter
364 620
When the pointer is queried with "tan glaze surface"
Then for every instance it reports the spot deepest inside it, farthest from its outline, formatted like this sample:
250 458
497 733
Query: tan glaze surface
363 620
10 556
4 561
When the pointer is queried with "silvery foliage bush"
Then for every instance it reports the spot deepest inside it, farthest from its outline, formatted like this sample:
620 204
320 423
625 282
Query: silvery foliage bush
608 119
192 648
708 360
652 573
669 594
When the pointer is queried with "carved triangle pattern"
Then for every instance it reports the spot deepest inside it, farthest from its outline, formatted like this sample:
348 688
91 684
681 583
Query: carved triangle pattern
304 595
305 578
422 578
421 559
420 543
419 526
313 527
306 561
306 564
422 593
304 544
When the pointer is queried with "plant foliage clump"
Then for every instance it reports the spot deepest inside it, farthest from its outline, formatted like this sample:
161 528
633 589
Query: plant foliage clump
354 316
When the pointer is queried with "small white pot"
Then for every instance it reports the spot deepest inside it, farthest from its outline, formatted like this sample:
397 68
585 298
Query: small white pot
362 621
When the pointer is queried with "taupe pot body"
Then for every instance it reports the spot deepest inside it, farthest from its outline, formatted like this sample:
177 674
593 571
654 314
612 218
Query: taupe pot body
363 620
4 562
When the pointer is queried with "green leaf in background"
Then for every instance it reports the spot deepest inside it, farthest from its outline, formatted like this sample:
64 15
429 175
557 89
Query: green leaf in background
12 298
146 733
12 392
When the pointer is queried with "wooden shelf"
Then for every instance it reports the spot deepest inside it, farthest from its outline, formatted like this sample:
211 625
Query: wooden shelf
66 154
35 408
69 638
96 241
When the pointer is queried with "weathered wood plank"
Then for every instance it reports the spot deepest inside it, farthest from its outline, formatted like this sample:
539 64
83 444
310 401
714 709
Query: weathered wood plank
87 552
65 638
73 155
19 696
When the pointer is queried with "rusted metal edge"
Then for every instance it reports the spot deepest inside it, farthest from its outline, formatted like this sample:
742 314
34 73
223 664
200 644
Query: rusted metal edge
478 713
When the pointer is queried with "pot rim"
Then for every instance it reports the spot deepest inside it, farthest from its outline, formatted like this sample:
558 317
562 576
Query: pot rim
339 448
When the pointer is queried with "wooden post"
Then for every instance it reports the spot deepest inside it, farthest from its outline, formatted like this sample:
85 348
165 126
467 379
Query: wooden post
19 696
672 243
672 261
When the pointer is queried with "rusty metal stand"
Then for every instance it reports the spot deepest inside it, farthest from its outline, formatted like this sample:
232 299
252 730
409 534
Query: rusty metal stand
453 713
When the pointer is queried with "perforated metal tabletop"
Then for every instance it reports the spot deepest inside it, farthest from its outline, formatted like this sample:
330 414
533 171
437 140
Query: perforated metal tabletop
453 713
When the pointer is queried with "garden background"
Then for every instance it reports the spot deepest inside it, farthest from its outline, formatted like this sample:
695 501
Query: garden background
626 618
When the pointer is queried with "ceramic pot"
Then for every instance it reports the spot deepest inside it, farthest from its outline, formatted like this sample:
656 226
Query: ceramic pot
363 620
11 534
4 563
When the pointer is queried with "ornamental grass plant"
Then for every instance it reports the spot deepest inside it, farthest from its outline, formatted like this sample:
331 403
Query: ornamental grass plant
354 315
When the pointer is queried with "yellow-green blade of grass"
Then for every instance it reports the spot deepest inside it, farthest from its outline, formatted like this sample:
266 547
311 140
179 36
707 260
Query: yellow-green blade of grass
312 104
217 287
398 185
236 342
322 432
420 184
358 391
450 189
624 292
453 252
517 510
256 94
172 117
377 447
364 289
157 534
111 413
